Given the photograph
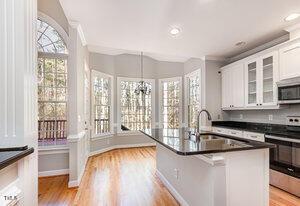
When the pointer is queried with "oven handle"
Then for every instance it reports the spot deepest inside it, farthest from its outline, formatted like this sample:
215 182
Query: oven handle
282 139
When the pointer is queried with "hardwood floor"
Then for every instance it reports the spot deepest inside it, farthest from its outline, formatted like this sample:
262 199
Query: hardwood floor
54 191
123 177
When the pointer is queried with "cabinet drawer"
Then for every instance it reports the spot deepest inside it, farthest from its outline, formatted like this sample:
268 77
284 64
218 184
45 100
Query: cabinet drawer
254 136
236 133
220 130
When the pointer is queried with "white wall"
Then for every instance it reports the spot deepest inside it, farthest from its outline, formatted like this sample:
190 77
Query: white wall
53 9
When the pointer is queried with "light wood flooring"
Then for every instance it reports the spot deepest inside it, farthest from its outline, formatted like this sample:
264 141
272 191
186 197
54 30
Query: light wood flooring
123 177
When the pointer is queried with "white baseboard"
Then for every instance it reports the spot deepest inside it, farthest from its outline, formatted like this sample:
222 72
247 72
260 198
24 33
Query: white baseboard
73 183
76 183
171 189
53 173
120 147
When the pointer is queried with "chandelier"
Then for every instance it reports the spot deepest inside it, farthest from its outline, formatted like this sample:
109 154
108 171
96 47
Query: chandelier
142 87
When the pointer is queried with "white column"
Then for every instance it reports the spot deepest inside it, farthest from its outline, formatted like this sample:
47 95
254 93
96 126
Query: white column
18 88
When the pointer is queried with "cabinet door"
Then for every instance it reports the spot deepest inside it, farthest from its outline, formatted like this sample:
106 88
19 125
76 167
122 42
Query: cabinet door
289 58
269 77
251 83
226 88
238 85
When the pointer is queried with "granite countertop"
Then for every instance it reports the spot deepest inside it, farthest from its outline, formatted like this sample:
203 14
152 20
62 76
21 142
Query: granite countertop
9 156
179 141
268 129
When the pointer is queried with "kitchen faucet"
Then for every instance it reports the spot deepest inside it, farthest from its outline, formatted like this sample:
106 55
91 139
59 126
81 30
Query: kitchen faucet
198 118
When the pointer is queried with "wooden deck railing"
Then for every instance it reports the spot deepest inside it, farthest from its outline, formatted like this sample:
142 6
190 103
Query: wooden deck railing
101 126
52 129
57 129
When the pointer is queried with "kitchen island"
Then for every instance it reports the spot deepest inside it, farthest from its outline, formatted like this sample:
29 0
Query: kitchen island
212 169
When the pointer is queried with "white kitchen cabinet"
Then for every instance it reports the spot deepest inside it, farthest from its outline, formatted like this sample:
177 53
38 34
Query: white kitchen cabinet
240 133
289 58
254 136
261 75
232 132
233 87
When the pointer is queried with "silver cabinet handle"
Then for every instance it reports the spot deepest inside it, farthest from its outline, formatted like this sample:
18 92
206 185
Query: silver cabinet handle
253 136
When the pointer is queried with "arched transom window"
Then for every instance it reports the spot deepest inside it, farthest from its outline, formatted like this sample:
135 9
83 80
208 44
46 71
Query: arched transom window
52 86
49 39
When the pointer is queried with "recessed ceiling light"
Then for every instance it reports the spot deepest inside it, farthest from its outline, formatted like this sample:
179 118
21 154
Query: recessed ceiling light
174 31
241 43
292 17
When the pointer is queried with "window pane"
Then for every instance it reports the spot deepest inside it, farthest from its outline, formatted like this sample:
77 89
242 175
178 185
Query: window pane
135 109
52 93
193 100
170 104
101 106
48 39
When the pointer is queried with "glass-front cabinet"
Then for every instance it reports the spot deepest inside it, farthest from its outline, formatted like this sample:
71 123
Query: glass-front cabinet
261 78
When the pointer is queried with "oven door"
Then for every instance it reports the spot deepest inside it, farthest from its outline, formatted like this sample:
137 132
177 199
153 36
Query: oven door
289 94
285 157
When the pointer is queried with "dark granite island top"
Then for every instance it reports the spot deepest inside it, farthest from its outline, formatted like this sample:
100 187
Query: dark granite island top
179 141
9 156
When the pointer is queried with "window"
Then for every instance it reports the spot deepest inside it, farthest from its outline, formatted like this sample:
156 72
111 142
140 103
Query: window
102 103
170 103
193 97
136 111
52 86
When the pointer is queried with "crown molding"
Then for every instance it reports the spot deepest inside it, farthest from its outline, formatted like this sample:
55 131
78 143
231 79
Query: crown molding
76 25
214 58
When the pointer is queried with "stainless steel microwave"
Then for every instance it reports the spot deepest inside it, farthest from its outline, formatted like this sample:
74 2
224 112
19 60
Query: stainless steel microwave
289 91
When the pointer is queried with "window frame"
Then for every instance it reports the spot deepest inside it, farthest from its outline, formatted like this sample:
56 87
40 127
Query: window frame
64 36
111 104
187 92
153 91
45 55
160 97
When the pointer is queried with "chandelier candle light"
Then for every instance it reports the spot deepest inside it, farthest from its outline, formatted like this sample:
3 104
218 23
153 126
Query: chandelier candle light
142 87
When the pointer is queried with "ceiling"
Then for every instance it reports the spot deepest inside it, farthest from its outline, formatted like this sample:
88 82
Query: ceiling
208 27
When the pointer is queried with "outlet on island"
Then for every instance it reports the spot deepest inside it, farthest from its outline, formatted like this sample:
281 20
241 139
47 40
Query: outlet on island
176 173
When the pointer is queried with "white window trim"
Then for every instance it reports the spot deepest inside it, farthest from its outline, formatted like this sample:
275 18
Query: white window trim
111 92
186 92
152 82
56 26
63 34
160 97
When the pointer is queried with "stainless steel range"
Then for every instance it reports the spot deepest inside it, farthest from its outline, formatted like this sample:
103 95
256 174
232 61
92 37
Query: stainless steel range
285 158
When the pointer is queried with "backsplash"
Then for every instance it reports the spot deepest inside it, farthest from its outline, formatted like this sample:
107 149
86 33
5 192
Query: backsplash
264 116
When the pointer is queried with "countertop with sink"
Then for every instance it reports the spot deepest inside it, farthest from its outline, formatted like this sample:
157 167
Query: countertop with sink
182 142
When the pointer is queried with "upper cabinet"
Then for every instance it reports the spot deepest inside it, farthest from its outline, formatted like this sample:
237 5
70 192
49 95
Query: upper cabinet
233 87
261 76
289 58
251 83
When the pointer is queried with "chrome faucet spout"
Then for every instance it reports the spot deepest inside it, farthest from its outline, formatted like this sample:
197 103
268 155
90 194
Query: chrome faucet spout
198 118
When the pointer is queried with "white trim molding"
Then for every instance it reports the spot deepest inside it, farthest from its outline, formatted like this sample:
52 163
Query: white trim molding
120 147
55 25
53 150
76 137
76 25
53 173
